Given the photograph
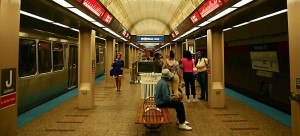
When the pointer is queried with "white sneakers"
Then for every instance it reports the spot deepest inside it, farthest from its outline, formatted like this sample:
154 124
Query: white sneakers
184 127
194 100
185 122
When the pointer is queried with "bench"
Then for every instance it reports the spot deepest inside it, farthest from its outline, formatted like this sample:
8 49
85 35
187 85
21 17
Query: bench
151 116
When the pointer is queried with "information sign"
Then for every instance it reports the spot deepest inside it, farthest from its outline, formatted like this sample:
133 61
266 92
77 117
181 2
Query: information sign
209 7
150 39
94 7
8 88
195 17
107 18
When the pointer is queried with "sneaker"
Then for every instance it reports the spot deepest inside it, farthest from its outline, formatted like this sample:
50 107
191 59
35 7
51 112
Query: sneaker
184 126
185 122
119 92
188 101
195 100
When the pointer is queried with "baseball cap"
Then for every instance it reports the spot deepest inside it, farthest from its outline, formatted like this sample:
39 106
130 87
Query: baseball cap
167 73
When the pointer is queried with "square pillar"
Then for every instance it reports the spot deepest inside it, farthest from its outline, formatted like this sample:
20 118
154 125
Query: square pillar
215 52
294 51
9 50
109 58
178 48
86 69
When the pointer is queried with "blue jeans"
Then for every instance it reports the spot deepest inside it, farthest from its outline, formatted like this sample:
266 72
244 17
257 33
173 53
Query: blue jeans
202 79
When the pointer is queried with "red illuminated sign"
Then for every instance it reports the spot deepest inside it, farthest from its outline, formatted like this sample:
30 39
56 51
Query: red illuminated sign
209 7
79 1
176 31
7 100
173 35
124 32
225 1
127 34
107 18
195 17
94 7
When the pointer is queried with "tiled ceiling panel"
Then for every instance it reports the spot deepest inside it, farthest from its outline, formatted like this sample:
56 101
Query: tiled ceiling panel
150 17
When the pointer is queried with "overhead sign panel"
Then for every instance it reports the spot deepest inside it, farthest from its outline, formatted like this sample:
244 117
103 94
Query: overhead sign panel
94 7
195 17
209 7
107 18
149 47
150 39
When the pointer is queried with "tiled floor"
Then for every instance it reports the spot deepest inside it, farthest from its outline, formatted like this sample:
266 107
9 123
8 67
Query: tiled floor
114 115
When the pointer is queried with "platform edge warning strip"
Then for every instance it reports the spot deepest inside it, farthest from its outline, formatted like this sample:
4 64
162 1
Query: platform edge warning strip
265 109
30 115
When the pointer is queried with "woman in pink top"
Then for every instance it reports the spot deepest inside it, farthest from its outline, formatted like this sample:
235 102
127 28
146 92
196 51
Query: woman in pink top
187 63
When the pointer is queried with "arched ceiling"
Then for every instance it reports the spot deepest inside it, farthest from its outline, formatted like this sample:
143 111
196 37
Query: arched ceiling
151 17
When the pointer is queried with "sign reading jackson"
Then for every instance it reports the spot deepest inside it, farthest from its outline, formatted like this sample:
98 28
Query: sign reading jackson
8 87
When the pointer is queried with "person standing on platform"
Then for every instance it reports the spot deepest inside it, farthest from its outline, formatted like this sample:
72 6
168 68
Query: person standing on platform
118 66
202 76
173 66
163 99
187 64
157 63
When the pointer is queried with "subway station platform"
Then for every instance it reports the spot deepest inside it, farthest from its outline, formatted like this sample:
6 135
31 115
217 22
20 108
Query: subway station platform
115 113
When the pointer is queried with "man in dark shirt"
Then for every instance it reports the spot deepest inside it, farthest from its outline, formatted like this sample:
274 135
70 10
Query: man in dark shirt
163 99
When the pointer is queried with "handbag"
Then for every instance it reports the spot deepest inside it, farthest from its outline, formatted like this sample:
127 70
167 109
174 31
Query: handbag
195 70
111 72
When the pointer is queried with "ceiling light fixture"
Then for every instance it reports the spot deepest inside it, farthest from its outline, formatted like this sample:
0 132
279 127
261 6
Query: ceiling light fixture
63 3
223 13
81 14
62 25
241 3
241 24
36 17
270 15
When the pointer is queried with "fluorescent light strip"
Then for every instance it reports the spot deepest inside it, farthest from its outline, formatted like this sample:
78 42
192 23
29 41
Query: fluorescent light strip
36 17
223 13
81 14
112 32
241 24
63 3
226 29
74 29
190 31
270 15
124 39
204 23
98 24
100 38
176 39
55 23
241 3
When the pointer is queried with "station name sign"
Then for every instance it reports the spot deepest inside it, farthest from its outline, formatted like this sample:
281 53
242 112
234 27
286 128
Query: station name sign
149 47
150 39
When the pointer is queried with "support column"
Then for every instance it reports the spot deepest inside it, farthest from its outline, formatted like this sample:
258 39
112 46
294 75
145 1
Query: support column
167 53
109 57
294 51
9 49
87 67
135 54
215 53
190 45
178 53
122 50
